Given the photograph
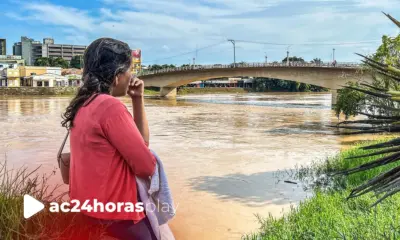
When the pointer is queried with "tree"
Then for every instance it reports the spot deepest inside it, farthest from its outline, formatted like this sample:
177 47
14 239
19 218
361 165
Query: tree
51 62
381 106
155 67
60 62
293 59
387 53
317 61
42 61
76 61
271 84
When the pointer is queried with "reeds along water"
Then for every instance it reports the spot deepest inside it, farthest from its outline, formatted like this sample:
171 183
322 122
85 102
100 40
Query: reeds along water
14 184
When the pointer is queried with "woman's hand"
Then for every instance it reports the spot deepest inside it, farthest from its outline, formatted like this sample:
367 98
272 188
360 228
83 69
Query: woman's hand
136 88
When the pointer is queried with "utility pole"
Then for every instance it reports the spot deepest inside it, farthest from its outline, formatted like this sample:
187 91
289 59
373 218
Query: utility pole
194 61
287 58
333 55
266 58
234 51
196 51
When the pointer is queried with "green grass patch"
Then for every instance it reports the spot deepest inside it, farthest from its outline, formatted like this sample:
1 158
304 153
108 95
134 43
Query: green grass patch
328 214
150 92
185 91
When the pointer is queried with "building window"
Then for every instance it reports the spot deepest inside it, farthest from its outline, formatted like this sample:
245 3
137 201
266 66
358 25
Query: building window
46 83
39 83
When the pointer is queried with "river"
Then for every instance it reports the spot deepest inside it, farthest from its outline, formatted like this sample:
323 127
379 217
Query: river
222 153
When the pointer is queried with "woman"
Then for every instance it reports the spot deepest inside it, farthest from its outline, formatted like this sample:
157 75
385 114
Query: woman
108 147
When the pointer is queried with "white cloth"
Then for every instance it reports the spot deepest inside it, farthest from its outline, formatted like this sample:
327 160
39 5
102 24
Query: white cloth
157 200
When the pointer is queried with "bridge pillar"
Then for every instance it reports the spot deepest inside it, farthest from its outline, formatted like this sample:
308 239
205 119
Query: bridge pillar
334 96
168 92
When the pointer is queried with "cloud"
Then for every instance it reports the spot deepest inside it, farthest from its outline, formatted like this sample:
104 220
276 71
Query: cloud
60 15
182 25
165 47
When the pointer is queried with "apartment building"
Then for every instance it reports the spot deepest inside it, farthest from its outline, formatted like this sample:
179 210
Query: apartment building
30 50
3 46
17 49
65 51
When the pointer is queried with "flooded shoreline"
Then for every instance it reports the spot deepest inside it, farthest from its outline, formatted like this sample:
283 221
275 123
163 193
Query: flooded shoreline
222 152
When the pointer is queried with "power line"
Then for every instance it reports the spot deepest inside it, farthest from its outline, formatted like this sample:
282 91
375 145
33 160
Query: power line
186 53
315 43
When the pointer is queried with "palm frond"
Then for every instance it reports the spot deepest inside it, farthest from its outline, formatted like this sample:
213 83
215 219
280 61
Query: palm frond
383 116
376 94
393 19
390 150
377 163
391 143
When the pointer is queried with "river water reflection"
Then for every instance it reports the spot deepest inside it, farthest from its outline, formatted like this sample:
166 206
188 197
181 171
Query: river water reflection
222 152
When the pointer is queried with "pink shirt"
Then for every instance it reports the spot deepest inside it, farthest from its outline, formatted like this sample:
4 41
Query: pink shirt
107 151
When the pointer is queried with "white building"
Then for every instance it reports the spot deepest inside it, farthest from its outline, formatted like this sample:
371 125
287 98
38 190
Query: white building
74 80
49 80
53 70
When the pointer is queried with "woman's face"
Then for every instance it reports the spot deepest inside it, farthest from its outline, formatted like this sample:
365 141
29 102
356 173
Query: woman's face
121 84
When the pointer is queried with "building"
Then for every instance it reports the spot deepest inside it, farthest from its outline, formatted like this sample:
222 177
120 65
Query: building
74 80
49 80
9 76
64 51
3 77
13 79
3 46
136 61
17 49
28 72
54 70
34 76
10 61
30 50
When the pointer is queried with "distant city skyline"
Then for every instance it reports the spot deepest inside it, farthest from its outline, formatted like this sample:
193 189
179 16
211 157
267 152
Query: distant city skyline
171 27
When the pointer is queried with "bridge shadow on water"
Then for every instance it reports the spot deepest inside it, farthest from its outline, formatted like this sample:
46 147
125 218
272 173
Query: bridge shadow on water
253 190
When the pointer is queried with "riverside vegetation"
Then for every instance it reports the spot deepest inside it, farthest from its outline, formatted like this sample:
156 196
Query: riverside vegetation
14 184
357 198
328 214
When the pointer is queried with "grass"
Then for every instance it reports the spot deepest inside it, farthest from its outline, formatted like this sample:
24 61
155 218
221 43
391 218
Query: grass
185 91
328 214
150 92
14 184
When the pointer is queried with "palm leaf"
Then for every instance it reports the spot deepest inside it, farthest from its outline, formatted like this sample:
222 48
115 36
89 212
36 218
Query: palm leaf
390 150
393 19
387 183
391 143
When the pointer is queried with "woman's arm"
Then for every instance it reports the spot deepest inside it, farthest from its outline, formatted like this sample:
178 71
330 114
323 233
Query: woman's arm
140 118
136 92
124 135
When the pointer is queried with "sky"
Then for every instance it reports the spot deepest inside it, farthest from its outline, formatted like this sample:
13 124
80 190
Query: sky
167 29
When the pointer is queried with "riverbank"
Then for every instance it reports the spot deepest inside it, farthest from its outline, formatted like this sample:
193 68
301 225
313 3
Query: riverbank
186 91
44 225
60 91
149 92
328 215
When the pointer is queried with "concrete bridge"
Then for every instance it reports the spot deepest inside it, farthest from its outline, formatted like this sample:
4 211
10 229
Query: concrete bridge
324 75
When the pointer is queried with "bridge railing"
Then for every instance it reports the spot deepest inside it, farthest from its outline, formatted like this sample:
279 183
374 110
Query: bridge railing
249 65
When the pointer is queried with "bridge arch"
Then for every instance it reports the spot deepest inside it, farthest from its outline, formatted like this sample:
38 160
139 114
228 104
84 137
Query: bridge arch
329 77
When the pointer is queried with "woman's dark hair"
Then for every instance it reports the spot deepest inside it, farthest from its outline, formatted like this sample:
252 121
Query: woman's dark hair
104 59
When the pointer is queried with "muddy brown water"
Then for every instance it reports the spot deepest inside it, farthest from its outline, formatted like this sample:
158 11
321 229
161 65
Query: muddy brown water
223 153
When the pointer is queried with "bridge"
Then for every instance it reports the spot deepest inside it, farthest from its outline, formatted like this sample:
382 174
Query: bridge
323 75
